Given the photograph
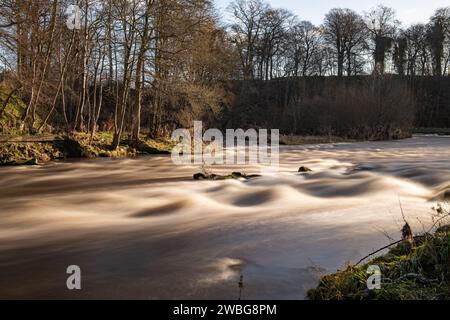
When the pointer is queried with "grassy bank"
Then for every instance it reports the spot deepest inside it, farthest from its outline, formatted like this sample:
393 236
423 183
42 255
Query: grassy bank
34 151
409 272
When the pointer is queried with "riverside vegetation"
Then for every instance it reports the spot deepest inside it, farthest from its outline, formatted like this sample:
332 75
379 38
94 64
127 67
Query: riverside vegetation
77 146
161 65
413 269
19 149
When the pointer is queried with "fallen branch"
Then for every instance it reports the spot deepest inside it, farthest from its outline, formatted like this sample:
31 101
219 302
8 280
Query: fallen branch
387 247
28 139
379 250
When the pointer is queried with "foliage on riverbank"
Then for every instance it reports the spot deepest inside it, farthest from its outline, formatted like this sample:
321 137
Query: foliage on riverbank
77 145
28 153
419 272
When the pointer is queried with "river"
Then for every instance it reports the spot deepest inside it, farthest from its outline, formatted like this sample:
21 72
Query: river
143 229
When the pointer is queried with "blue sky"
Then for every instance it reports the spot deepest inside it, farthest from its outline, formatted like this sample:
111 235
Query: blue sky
408 11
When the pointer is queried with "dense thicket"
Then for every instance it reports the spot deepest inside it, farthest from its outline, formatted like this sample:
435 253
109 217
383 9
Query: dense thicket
362 107
433 101
155 65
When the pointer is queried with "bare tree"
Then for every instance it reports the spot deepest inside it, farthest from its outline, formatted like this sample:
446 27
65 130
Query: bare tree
334 34
303 43
248 18
416 49
355 35
127 18
275 25
144 40
345 32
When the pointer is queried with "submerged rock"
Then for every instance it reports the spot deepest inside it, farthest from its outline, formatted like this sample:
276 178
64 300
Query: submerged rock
304 170
200 176
215 177
364 167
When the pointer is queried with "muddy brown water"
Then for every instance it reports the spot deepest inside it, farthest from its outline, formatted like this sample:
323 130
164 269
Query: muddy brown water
143 229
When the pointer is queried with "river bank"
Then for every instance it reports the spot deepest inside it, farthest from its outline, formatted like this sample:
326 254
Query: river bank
39 149
33 150
411 270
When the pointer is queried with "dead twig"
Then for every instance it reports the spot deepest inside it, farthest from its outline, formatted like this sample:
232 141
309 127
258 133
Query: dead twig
387 247
379 250
241 286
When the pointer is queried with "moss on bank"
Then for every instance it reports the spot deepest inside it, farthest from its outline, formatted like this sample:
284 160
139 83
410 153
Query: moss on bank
419 273
10 114
28 153
77 146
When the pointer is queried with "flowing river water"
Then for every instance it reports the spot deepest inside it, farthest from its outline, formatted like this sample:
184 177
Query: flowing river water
143 229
